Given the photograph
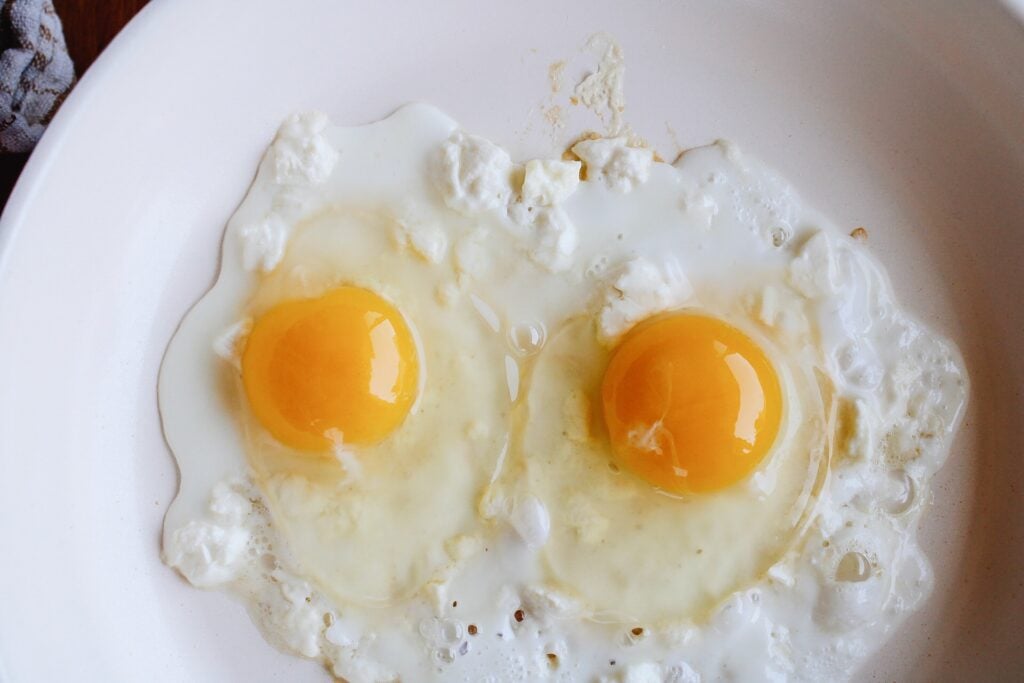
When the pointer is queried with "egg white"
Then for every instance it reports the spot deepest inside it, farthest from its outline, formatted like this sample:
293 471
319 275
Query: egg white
493 505
636 555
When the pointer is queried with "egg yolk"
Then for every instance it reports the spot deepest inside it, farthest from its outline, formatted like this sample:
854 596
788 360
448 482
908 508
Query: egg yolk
345 361
691 403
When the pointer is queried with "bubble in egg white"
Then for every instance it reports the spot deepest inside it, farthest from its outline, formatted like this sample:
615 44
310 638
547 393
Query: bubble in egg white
901 493
779 236
853 567
441 631
527 338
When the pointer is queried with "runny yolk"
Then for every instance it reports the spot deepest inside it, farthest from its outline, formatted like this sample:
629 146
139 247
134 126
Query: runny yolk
345 361
691 403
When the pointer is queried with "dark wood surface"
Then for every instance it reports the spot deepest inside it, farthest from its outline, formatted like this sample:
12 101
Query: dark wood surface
89 25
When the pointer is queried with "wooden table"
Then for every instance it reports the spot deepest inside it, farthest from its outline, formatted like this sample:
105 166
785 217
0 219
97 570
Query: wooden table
89 25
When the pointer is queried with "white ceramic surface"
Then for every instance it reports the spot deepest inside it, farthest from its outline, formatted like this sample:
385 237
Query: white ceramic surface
906 117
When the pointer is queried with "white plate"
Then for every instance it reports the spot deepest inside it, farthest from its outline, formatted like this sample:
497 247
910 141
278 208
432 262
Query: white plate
906 118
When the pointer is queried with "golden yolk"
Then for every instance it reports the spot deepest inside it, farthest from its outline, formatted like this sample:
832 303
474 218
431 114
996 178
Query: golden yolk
345 361
691 403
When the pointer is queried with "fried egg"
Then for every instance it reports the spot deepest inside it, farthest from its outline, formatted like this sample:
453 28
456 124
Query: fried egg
448 416
354 432
684 423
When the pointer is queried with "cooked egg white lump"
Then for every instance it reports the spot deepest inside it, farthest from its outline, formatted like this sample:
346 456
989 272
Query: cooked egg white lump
446 416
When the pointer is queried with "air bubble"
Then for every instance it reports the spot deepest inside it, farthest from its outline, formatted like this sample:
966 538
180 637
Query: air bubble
779 236
902 493
451 631
441 631
444 655
853 568
527 338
